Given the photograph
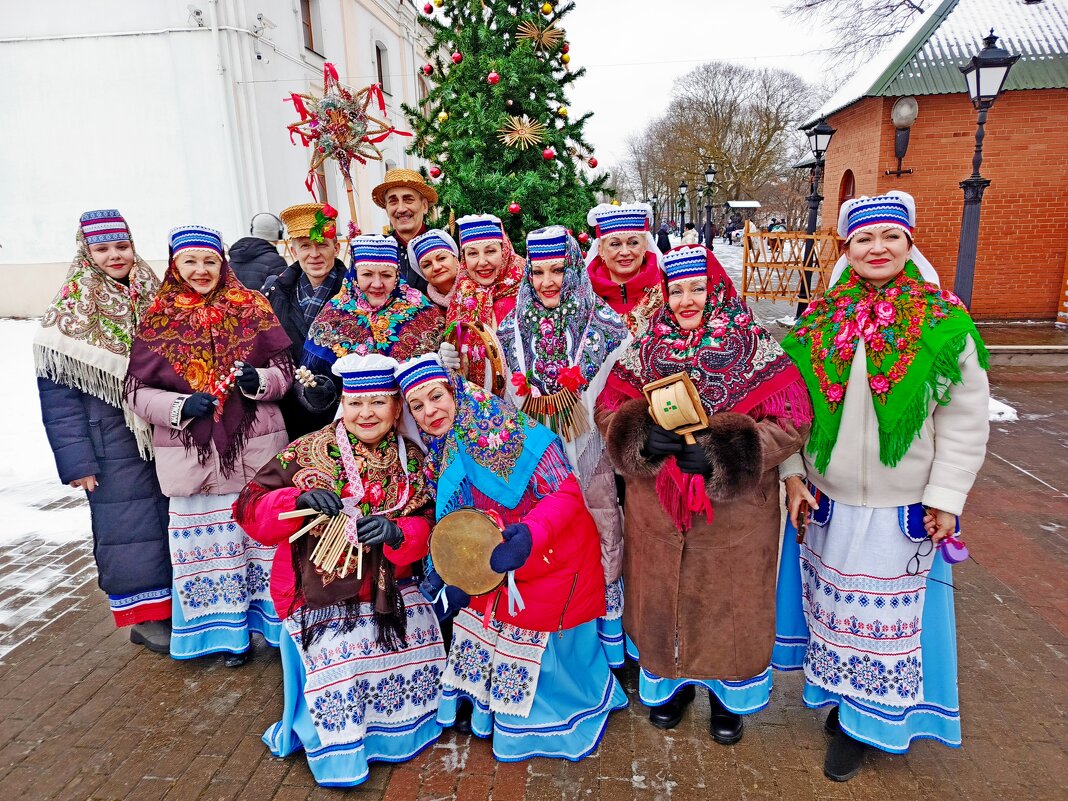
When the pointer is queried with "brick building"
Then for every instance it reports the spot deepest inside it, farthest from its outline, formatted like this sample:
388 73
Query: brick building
1022 264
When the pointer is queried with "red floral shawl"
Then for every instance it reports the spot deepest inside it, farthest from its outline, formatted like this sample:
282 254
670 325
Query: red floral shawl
471 301
636 300
187 342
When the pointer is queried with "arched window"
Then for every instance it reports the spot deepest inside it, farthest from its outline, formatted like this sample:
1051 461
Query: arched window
847 190
382 64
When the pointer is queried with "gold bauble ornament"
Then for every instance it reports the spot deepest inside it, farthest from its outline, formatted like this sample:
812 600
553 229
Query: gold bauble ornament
565 58
547 9
615 202
443 117
439 3
562 112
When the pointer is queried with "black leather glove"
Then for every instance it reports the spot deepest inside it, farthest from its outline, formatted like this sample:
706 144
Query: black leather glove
199 404
320 395
512 554
321 500
693 459
378 530
662 442
248 379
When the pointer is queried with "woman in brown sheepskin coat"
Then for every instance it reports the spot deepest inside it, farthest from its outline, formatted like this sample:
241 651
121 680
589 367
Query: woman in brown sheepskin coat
702 521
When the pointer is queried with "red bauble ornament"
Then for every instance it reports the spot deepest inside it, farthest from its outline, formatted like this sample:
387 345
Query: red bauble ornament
435 172
457 57
548 154
493 79
514 208
428 9
566 47
593 163
427 69
583 238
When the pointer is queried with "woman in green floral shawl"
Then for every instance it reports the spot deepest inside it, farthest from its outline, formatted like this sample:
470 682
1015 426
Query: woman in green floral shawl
897 374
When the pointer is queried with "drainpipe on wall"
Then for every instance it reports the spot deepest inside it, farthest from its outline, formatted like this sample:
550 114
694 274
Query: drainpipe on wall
236 182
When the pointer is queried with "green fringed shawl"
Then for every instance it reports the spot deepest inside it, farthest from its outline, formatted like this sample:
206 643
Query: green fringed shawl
913 333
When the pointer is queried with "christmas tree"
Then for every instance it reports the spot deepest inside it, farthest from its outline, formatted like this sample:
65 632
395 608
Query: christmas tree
495 126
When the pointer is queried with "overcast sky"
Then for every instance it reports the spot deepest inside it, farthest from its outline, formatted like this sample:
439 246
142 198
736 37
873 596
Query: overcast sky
633 51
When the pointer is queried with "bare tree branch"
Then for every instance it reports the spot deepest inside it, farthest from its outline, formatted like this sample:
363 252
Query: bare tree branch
860 28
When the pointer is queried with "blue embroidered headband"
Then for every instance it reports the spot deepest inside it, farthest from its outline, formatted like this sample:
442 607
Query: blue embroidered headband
688 261
104 225
374 249
875 212
547 244
479 228
195 237
367 375
416 372
618 219
430 242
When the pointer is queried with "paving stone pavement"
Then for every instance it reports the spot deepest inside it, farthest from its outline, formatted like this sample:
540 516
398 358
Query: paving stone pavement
86 716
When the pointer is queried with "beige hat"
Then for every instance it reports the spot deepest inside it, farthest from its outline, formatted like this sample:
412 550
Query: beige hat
300 219
403 177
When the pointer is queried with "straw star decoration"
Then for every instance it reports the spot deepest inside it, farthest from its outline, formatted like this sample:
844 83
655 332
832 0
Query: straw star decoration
543 39
521 132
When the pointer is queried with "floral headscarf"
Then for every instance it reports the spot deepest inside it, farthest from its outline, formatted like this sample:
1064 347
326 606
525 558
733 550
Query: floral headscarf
187 342
913 334
473 302
406 325
87 331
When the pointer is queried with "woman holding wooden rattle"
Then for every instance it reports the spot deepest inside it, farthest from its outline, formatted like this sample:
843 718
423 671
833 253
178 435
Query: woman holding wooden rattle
526 655
896 370
702 517
348 507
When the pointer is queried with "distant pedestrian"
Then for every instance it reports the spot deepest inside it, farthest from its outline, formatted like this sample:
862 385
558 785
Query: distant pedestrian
689 236
898 372
81 352
255 258
663 239
208 363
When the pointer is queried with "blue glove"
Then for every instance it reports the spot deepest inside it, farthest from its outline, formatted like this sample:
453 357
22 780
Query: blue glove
455 598
512 554
199 404
248 379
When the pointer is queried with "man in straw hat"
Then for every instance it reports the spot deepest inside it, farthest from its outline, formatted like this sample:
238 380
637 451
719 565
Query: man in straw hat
299 292
407 198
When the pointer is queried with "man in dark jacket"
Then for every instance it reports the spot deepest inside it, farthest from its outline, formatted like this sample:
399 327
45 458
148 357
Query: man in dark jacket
254 258
407 198
299 292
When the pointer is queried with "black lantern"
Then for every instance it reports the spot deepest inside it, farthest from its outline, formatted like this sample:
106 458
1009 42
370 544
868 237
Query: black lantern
710 174
819 138
985 74
682 205
710 179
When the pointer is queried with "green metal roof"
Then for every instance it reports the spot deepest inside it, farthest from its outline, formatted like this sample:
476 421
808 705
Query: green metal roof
926 59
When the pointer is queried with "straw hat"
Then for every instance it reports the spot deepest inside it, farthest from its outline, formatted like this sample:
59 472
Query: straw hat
300 219
402 177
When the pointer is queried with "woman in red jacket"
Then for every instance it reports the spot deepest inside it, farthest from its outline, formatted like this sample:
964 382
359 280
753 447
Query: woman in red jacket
363 660
527 655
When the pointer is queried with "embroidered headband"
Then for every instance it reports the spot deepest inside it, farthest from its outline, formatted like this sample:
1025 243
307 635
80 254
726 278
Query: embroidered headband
610 219
374 249
416 372
195 237
480 228
547 244
428 243
367 375
894 209
104 225
688 261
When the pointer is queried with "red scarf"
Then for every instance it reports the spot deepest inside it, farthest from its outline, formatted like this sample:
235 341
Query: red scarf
624 297
187 342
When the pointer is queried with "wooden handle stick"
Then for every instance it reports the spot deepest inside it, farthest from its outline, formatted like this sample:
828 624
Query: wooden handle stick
297 513
301 532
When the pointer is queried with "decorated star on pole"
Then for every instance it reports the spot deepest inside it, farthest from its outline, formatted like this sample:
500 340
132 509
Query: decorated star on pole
521 132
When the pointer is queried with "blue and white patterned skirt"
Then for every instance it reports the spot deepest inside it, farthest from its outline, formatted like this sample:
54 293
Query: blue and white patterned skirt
569 695
221 589
863 629
349 702
610 626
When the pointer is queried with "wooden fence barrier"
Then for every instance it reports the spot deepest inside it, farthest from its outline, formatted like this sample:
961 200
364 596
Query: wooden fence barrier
772 265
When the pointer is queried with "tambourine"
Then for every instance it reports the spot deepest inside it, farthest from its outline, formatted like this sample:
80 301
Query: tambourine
460 547
465 334
674 404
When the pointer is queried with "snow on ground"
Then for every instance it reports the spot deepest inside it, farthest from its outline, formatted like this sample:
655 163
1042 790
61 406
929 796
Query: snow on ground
1001 412
33 503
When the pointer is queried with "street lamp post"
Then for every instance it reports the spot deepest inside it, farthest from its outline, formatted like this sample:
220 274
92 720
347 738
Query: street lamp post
682 206
656 199
985 76
710 177
819 139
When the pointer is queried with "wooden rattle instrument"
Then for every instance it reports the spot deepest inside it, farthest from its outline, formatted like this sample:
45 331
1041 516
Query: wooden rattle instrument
675 405
470 335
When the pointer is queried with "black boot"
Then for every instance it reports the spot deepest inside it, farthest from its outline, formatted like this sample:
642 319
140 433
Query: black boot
725 726
830 726
462 724
667 716
237 660
155 635
844 757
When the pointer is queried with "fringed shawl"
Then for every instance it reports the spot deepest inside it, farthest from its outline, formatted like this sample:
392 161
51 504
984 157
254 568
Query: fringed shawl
471 302
87 331
187 342
913 333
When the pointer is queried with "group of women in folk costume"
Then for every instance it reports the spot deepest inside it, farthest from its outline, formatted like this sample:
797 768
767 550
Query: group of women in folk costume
873 412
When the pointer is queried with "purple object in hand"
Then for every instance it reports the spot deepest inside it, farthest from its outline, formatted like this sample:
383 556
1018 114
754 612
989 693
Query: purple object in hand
954 550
